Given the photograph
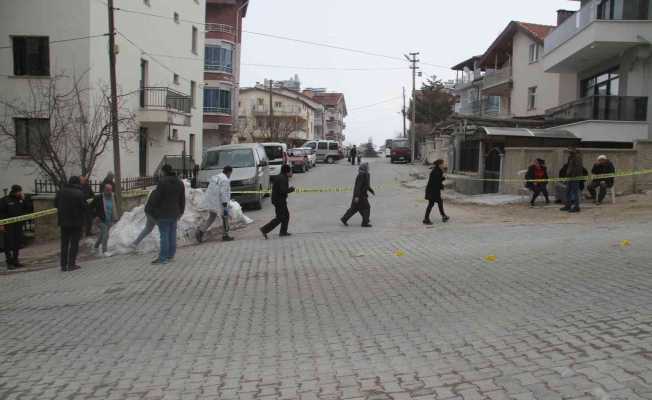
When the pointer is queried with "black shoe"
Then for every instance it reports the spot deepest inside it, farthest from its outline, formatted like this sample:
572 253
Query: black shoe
18 265
427 222
547 201
574 210
285 234
445 218
10 267
227 238
156 261
199 236
366 225
344 222
564 209
73 268
264 233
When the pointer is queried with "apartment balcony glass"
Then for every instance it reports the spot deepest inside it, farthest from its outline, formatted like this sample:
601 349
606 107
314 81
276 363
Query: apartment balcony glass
498 82
600 30
218 58
217 101
279 111
603 108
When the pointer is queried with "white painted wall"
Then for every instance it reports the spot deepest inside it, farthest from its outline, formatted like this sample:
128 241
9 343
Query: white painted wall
63 19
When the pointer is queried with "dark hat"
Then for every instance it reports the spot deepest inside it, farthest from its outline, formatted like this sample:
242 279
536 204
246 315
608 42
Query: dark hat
16 189
74 180
227 169
167 169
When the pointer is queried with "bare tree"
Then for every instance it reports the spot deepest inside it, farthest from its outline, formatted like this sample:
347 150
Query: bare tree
62 125
256 129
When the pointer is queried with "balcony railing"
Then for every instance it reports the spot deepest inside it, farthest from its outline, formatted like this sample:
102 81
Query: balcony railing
217 110
590 13
219 68
220 28
497 77
488 106
293 111
604 108
165 98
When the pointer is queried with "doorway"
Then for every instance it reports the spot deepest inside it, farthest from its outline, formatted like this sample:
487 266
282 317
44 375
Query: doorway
142 151
493 165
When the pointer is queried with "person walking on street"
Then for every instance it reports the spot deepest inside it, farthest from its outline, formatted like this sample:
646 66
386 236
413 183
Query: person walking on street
89 195
150 224
71 206
354 154
280 191
360 201
216 200
574 174
13 205
167 204
433 192
602 167
536 179
106 213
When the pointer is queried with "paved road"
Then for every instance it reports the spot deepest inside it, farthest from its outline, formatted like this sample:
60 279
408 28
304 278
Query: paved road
334 313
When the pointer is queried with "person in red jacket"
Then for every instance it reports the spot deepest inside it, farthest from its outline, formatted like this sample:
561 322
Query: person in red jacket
536 179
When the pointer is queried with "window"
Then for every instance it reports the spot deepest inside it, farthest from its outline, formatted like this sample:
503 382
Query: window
175 134
217 100
535 50
147 3
322 146
175 78
193 93
261 102
603 84
532 98
30 135
333 146
177 19
31 56
195 32
219 58
278 104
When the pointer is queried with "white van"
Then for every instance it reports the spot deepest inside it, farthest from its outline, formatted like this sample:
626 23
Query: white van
277 154
328 151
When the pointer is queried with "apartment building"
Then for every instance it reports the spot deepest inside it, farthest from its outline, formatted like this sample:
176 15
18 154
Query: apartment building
222 69
291 113
159 72
606 49
335 112
468 88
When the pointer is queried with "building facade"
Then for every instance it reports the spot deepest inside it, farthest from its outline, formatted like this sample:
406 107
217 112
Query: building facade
158 78
292 116
335 111
222 69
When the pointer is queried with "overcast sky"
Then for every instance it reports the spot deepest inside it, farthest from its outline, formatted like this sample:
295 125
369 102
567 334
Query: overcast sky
444 31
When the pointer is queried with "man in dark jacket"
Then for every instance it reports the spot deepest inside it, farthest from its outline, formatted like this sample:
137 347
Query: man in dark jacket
280 192
12 206
360 201
353 154
575 174
536 179
166 205
433 192
602 167
71 206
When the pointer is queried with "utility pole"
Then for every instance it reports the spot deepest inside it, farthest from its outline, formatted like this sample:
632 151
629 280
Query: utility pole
271 110
404 112
114 105
412 58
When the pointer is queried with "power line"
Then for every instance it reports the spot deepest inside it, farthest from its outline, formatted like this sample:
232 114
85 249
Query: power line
376 104
308 68
66 40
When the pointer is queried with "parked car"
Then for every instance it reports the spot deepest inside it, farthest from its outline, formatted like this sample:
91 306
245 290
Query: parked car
328 151
250 170
299 160
312 156
277 154
400 151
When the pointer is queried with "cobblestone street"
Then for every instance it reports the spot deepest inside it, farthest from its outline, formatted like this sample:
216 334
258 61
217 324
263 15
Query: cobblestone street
396 312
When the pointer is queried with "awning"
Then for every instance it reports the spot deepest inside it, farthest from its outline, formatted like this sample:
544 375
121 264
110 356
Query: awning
524 132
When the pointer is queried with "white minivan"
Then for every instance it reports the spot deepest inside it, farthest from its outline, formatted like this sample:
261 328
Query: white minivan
328 151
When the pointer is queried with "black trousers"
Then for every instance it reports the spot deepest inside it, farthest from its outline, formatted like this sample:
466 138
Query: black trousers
363 207
602 186
537 190
13 241
282 218
70 246
431 204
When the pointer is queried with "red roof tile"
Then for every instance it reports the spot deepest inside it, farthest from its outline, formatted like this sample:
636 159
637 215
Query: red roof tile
539 31
328 99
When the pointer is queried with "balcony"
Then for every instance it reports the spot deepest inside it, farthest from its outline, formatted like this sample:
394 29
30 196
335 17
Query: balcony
498 82
487 107
283 111
223 28
593 36
227 69
162 105
601 108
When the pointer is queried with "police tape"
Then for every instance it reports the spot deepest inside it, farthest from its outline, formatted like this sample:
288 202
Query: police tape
566 179
310 190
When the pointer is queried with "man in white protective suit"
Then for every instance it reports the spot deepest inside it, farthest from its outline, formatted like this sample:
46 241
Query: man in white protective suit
216 201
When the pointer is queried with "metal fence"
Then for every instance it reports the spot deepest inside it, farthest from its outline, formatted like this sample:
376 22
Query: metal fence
604 108
42 186
165 98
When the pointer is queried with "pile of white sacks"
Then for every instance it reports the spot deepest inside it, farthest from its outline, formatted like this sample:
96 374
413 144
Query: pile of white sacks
132 223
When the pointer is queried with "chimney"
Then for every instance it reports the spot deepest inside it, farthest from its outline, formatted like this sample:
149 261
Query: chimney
563 15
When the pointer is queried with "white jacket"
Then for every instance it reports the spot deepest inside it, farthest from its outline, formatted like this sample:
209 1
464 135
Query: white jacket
218 192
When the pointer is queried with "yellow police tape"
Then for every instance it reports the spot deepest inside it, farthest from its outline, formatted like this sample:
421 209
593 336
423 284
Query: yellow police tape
346 189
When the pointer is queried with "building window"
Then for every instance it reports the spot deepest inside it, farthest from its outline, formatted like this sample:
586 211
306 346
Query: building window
147 3
175 79
278 104
219 58
217 100
603 84
195 34
193 93
31 135
175 134
532 98
31 56
261 102
535 51
177 19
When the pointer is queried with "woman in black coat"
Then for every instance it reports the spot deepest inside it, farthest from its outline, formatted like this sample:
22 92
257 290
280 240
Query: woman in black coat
433 192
